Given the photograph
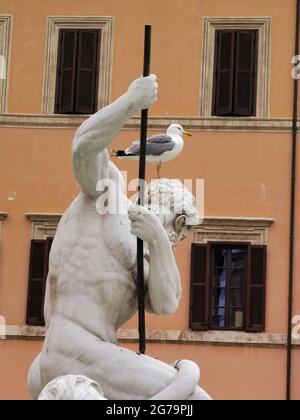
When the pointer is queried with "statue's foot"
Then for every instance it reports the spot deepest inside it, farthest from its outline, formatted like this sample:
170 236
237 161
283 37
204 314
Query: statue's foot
185 385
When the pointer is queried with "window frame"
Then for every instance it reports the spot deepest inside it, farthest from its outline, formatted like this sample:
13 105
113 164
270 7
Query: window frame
6 28
228 245
43 228
54 23
200 319
76 70
38 321
211 24
235 72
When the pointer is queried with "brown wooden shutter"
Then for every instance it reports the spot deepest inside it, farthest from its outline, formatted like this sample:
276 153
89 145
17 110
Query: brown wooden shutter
256 289
87 72
38 271
66 71
199 294
224 77
245 73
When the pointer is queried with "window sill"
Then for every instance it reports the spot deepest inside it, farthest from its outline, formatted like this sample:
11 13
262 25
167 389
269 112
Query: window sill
215 338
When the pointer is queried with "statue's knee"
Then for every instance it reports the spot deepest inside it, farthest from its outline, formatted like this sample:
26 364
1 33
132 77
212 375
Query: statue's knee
34 379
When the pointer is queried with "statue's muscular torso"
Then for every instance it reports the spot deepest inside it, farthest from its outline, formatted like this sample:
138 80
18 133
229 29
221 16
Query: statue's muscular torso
92 264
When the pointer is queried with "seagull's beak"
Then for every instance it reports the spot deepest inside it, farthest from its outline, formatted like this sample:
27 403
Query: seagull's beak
187 133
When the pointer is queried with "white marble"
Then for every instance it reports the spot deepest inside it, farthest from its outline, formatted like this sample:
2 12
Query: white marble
72 388
91 286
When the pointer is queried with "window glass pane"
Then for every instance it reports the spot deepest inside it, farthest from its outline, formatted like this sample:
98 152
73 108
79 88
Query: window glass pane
237 298
228 271
238 258
236 318
237 278
219 297
218 318
220 257
220 266
220 277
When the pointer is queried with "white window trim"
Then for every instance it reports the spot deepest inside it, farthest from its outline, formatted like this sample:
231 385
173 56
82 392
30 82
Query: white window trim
6 25
233 230
43 226
54 24
263 25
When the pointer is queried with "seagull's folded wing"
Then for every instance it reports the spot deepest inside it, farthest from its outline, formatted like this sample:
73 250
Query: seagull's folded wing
156 146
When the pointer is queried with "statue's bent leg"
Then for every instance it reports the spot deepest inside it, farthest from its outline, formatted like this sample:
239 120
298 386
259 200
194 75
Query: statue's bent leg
184 386
123 374
34 378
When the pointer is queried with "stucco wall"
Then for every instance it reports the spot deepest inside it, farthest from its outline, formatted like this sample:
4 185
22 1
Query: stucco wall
247 174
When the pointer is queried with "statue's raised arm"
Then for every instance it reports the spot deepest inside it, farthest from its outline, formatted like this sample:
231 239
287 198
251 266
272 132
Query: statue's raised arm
89 150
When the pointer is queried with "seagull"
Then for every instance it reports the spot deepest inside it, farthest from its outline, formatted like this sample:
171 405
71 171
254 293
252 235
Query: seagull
160 148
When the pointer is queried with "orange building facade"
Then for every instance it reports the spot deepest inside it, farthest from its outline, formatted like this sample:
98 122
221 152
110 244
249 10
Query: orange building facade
245 162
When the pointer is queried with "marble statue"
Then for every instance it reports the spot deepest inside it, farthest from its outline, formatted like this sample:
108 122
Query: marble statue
91 285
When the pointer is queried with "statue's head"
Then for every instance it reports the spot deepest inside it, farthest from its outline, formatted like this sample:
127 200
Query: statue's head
72 388
174 204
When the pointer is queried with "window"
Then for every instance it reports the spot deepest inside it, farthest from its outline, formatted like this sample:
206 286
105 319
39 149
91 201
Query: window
214 25
38 272
228 283
235 73
77 71
104 25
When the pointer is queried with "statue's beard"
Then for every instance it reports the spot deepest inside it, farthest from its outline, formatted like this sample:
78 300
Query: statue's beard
176 237
173 237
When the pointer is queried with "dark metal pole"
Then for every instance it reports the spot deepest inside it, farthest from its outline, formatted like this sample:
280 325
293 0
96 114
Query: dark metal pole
142 176
292 217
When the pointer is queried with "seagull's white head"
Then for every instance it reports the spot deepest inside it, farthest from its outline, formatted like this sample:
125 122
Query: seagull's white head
176 129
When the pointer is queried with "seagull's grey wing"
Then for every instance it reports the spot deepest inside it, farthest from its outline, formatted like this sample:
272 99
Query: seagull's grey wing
156 146
134 149
160 138
157 149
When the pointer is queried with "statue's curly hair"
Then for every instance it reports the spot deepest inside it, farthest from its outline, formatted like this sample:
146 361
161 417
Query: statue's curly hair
171 196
